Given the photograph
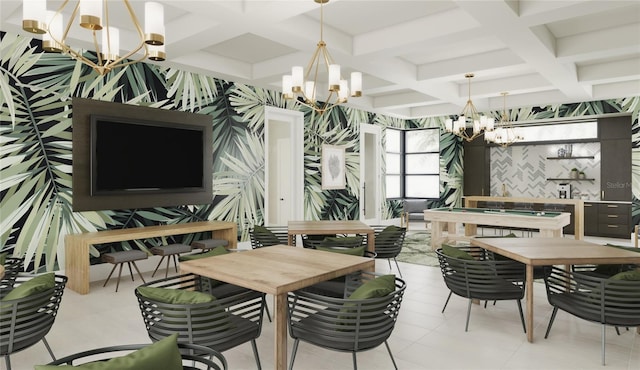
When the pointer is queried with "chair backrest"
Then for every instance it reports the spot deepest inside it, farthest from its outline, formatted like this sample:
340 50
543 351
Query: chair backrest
593 298
25 321
389 240
12 267
206 356
481 277
266 236
220 324
343 323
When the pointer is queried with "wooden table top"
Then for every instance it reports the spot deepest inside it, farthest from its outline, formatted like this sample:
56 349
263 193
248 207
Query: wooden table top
328 227
556 251
277 269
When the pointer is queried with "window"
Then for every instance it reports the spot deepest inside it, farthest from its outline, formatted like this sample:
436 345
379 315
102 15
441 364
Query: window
413 163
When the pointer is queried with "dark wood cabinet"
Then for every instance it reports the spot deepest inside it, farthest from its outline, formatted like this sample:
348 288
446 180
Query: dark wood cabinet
590 219
614 220
615 162
477 167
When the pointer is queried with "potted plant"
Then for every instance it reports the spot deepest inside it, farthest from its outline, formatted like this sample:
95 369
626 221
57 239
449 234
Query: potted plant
574 173
582 175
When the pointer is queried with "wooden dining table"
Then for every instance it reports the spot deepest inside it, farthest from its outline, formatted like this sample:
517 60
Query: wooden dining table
331 227
277 270
553 251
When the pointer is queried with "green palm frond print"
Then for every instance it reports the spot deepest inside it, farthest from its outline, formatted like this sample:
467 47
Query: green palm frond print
35 153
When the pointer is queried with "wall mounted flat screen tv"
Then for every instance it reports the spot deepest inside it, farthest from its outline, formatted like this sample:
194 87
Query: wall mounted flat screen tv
137 156
126 156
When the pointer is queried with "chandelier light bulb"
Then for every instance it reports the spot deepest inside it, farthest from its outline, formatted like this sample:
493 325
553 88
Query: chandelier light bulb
154 23
34 16
49 39
91 14
110 43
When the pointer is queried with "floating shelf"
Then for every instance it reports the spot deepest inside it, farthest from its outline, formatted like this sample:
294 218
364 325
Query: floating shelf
576 157
568 179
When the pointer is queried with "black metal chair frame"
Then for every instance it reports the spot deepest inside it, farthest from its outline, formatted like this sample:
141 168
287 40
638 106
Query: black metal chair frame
341 324
389 248
25 321
596 299
482 279
281 233
206 356
221 325
12 267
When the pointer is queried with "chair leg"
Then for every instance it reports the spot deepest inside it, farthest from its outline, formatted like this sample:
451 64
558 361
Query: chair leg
157 266
391 355
46 344
446 302
175 262
255 353
524 326
109 277
7 361
466 327
119 274
130 271
389 262
553 317
293 353
355 362
603 341
166 272
397 266
139 274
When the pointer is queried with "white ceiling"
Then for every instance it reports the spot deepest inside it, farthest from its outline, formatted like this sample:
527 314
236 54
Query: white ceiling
413 54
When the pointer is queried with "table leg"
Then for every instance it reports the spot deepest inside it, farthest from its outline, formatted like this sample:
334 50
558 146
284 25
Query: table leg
436 233
280 331
77 264
551 233
290 238
529 302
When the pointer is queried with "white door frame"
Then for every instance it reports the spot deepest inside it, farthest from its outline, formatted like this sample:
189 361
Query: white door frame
367 128
295 120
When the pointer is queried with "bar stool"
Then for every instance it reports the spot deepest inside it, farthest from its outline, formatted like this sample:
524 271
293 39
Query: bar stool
206 244
169 251
120 258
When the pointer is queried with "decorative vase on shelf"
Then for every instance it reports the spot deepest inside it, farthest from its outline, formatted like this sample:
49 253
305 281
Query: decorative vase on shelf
574 173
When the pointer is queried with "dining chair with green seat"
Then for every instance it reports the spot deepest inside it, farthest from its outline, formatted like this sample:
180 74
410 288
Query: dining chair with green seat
468 272
266 236
389 241
28 311
163 354
362 321
216 288
351 245
613 301
181 305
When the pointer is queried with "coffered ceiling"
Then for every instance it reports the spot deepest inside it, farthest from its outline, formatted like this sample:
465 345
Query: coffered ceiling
413 54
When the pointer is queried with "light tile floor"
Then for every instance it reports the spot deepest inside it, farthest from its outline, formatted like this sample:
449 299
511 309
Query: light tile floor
424 338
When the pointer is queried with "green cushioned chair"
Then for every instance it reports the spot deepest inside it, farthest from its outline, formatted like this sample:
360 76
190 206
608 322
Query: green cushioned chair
388 242
481 278
164 354
362 321
266 236
220 323
28 311
611 301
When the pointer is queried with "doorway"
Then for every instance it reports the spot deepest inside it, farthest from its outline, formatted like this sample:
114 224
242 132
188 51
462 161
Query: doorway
284 166
370 174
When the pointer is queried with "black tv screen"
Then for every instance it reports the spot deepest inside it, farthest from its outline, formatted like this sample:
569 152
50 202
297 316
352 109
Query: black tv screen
136 156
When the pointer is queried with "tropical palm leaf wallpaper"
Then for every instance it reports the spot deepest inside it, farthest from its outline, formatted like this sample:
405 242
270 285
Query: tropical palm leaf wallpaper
35 154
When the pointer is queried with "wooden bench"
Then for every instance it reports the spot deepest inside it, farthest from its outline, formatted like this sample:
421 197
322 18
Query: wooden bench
77 245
